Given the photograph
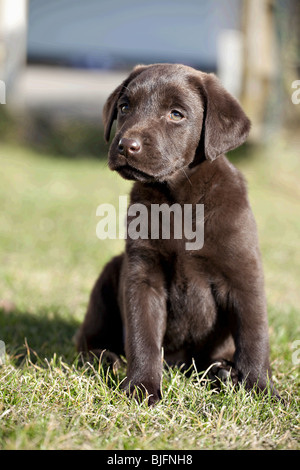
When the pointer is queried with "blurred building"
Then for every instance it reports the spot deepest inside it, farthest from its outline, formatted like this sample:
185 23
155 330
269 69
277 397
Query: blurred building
60 59
77 52
114 34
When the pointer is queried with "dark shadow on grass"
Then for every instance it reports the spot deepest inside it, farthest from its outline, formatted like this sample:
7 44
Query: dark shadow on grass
40 335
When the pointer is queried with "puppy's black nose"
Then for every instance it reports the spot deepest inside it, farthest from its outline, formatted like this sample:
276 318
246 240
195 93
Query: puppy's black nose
129 147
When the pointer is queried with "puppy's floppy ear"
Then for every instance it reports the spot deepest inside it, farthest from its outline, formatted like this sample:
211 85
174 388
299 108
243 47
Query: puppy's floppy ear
225 125
110 111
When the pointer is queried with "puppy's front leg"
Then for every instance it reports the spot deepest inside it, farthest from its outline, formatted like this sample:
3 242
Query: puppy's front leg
144 303
251 339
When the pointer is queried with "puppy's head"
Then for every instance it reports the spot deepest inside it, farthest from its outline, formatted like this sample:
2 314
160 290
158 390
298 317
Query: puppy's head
167 116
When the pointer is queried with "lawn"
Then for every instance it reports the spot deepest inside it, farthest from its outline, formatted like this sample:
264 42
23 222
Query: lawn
50 257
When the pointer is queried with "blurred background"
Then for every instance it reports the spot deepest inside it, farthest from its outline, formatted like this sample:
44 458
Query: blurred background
60 59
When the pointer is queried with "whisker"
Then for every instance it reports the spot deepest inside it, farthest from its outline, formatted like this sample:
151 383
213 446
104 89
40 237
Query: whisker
187 176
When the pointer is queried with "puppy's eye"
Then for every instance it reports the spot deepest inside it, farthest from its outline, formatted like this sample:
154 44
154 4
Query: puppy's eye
124 108
176 116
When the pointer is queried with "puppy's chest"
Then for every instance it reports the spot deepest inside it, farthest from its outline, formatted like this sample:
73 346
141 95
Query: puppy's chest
191 307
168 226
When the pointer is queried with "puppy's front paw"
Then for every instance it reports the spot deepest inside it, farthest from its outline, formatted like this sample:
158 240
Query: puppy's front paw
262 384
143 390
258 379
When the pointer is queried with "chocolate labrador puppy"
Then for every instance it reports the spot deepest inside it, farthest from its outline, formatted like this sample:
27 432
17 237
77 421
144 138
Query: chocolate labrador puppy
205 303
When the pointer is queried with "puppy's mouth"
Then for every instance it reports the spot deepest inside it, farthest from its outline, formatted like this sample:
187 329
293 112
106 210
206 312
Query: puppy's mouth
128 172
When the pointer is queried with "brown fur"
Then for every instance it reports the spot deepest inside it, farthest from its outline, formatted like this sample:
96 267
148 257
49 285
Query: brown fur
206 304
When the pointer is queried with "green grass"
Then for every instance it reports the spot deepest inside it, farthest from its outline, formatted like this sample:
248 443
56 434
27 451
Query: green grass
50 257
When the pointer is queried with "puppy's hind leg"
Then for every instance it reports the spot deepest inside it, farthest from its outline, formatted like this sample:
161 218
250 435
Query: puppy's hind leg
101 333
220 365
